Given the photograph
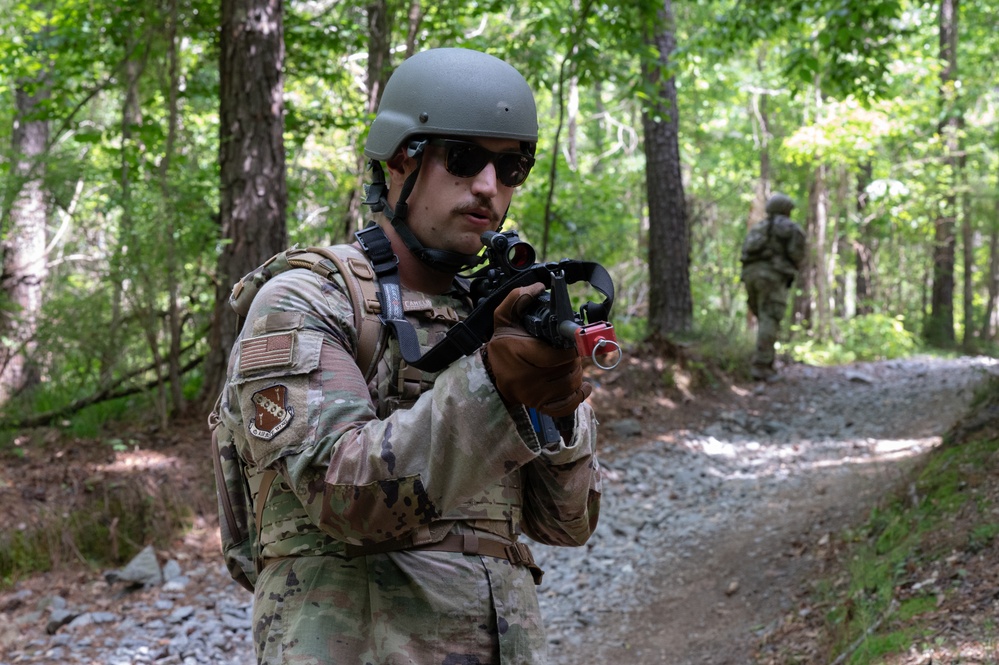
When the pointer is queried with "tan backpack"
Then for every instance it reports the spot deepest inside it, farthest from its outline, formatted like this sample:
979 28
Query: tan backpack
239 519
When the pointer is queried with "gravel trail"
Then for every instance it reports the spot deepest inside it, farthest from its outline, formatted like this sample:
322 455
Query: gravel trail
705 534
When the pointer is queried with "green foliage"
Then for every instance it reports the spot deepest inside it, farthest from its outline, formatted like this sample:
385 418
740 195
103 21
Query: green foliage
862 338
843 43
878 337
836 84
896 538
93 420
875 648
982 537
726 347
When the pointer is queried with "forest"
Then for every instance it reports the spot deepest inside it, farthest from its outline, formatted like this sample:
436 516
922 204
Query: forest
155 152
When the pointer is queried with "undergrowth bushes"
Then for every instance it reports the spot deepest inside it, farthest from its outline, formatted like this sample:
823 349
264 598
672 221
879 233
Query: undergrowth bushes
861 338
73 501
109 526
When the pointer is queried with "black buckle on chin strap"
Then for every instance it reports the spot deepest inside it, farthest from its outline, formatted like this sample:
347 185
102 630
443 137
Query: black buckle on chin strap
377 246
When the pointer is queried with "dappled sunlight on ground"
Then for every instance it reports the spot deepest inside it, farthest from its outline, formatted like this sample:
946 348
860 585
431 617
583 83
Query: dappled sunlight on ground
139 461
759 461
985 652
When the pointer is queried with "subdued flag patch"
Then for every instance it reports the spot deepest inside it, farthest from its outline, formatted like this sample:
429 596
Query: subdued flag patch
266 351
271 412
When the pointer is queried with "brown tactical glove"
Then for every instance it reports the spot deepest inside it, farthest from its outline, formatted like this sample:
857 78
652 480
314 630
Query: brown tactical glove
530 371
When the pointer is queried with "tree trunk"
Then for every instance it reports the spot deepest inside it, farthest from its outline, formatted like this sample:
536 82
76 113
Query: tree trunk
599 137
843 303
253 194
379 51
131 116
572 130
24 261
801 308
968 252
761 133
939 329
414 19
174 324
862 247
379 70
821 227
670 302
987 333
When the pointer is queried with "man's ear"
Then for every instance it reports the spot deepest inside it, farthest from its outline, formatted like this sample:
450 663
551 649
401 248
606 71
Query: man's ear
397 163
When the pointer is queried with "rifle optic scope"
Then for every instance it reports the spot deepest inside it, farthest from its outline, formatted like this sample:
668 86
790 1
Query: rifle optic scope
514 253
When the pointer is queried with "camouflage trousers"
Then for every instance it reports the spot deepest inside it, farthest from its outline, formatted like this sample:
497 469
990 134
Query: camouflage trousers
422 608
767 292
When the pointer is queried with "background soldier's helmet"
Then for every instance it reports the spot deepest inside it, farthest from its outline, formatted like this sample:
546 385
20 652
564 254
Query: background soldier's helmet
452 92
780 204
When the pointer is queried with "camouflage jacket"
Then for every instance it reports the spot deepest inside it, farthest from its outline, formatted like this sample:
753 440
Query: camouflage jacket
355 468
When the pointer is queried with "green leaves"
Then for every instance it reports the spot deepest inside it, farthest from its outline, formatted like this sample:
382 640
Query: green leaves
842 43
767 91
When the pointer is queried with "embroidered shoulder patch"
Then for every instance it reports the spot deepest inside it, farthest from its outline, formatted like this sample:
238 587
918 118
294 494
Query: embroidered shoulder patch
271 412
275 350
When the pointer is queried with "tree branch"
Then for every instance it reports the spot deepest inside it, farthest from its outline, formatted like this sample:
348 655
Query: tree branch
107 393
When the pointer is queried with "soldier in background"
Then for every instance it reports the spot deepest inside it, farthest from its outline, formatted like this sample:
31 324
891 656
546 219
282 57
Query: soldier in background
771 257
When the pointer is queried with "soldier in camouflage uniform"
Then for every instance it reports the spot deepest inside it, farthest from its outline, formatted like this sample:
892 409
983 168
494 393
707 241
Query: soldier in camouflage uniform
391 532
771 256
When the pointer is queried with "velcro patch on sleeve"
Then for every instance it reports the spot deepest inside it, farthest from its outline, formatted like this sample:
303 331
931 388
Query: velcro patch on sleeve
271 412
267 351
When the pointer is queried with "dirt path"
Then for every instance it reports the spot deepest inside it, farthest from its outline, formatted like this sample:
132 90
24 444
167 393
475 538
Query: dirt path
710 606
801 459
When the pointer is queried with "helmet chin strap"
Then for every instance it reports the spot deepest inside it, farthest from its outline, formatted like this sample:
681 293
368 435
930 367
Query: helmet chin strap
440 260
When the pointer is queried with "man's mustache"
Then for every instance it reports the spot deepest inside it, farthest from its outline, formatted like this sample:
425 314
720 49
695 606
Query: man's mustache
481 207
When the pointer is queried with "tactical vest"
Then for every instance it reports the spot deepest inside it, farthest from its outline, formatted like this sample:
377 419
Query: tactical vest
245 491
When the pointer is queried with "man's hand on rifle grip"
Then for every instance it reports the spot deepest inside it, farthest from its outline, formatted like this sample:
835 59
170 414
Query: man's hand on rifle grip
527 370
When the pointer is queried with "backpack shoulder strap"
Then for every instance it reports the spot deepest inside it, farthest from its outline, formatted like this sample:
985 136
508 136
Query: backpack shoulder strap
266 480
359 276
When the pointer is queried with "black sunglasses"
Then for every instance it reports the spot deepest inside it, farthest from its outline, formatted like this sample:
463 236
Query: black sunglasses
464 159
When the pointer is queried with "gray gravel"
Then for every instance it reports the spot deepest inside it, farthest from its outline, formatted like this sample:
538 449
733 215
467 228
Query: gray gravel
667 497
675 496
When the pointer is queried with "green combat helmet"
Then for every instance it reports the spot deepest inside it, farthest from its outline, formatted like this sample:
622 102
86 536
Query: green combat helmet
444 92
780 204
452 92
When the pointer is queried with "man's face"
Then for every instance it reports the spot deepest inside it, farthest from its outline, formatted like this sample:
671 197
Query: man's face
451 212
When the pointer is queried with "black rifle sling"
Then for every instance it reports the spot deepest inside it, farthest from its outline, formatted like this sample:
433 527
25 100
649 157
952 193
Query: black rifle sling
385 263
465 337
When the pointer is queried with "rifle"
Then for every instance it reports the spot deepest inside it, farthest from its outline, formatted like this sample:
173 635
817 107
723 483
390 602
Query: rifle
511 262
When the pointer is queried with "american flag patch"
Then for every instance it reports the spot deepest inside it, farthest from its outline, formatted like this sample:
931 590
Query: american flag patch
267 351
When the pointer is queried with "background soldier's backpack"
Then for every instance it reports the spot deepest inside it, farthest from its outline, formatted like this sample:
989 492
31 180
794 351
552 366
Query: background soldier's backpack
756 247
239 518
